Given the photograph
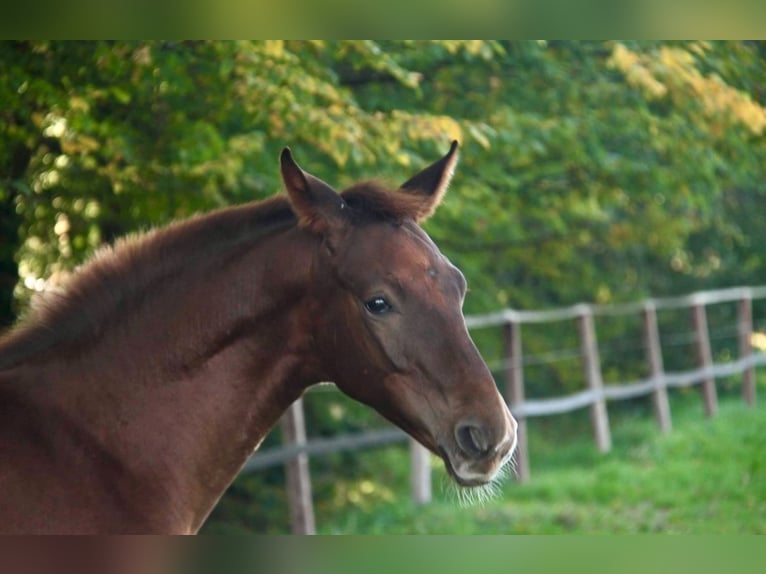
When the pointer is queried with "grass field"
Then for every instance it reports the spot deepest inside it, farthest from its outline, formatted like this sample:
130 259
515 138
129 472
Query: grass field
706 476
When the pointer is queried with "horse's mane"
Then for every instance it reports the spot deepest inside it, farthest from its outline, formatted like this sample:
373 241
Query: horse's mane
119 274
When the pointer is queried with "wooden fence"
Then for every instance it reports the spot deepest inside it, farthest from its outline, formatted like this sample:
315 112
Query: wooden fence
296 449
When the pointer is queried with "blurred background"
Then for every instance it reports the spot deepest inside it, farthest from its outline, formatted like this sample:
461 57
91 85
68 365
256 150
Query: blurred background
604 172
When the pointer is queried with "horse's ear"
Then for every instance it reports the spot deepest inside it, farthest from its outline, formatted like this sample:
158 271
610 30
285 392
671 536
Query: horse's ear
317 205
430 184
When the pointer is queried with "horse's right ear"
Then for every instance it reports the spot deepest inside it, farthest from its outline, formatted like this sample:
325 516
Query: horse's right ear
428 187
318 206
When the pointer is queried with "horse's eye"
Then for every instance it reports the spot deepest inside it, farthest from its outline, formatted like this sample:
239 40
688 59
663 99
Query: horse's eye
378 306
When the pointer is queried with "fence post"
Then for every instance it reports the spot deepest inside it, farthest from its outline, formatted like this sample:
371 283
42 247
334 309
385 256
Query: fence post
745 313
656 367
299 501
420 460
705 358
592 367
514 387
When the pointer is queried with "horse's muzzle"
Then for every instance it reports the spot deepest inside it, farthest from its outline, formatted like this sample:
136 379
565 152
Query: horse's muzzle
481 449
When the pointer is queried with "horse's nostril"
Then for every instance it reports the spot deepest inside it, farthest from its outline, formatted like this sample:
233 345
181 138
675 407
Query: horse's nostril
472 439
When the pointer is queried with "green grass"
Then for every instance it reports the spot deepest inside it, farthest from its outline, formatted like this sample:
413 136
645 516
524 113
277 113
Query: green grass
706 476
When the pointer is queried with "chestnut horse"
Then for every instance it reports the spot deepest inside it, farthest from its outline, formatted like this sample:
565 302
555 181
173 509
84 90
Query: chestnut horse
129 402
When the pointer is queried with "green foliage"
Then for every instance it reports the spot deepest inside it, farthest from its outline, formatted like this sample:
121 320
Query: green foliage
591 170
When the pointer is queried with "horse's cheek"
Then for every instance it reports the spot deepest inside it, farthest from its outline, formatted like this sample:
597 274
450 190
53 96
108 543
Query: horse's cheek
387 343
397 353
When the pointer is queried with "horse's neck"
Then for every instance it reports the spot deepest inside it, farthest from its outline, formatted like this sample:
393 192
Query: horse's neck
185 389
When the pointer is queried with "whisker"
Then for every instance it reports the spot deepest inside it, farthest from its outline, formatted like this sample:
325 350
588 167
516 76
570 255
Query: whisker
513 465
466 496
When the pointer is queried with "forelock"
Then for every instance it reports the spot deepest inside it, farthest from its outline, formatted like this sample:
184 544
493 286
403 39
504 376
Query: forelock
372 200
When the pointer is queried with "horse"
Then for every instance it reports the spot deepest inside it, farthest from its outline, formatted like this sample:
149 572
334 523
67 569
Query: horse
131 398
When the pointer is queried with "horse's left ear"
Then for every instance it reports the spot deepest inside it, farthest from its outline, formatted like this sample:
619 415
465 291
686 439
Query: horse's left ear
318 207
430 184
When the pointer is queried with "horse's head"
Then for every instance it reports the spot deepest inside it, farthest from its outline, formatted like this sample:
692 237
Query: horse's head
388 311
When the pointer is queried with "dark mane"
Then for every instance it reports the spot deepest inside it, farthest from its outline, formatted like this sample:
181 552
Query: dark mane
119 274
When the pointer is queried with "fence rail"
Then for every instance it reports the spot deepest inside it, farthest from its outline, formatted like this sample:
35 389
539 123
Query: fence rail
572 312
320 446
596 396
623 391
